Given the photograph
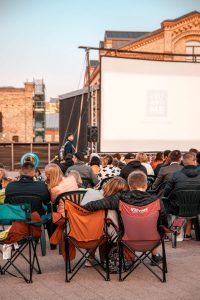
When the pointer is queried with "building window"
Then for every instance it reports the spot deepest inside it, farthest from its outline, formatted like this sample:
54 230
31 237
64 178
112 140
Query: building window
193 47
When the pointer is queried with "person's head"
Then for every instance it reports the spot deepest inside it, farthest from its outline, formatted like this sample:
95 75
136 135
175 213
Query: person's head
189 159
68 156
28 169
76 176
117 156
109 159
175 156
142 157
6 181
70 136
137 180
53 175
129 157
159 156
198 158
2 173
95 161
193 150
78 157
166 154
114 185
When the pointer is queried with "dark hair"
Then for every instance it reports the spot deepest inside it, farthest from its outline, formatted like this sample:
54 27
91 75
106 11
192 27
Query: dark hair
193 150
68 134
188 158
95 161
175 155
79 155
27 167
159 156
109 159
68 156
117 156
166 153
198 157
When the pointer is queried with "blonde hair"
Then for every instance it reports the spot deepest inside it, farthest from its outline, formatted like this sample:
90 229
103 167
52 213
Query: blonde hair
54 175
142 157
77 177
114 185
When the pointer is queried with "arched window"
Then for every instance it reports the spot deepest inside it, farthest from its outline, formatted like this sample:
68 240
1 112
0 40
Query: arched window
193 47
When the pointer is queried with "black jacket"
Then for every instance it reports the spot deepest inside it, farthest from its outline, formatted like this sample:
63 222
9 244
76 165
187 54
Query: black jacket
186 179
137 198
132 166
68 147
26 190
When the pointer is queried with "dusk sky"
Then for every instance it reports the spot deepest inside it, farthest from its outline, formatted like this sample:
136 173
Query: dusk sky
40 38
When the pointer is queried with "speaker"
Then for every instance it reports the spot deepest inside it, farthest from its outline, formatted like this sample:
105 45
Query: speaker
92 134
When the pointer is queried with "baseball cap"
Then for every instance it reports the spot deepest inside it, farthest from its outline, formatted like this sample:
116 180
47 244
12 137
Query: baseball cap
129 155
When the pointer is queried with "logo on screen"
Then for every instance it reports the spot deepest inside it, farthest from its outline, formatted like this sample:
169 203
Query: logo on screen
157 103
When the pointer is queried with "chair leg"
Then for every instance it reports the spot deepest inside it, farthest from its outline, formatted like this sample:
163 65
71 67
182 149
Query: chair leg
107 263
197 228
174 239
120 260
164 264
67 260
43 242
30 261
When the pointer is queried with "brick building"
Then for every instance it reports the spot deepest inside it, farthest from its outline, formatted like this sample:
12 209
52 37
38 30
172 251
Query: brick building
178 36
16 114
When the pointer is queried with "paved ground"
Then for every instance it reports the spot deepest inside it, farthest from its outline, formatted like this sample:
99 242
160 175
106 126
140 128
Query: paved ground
183 280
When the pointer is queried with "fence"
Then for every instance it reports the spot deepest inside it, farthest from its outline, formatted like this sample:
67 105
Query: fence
11 153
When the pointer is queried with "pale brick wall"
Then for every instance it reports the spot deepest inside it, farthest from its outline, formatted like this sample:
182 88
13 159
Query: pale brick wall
16 105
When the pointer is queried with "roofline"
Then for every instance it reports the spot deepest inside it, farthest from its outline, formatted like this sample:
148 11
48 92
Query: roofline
195 12
79 92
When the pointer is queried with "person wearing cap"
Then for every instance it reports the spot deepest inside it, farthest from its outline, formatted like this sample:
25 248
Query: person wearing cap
131 165
84 170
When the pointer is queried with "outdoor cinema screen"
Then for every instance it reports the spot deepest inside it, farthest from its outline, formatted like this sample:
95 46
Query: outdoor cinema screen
149 105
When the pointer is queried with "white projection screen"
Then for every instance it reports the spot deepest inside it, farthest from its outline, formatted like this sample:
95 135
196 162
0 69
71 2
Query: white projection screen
149 105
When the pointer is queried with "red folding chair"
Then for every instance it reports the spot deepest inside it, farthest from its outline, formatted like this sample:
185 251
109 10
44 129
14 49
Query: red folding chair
140 236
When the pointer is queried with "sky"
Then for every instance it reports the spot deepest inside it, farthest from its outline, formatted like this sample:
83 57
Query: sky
39 38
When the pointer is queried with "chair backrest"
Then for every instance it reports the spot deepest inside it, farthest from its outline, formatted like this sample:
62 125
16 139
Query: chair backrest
35 201
84 225
73 196
14 212
140 225
188 202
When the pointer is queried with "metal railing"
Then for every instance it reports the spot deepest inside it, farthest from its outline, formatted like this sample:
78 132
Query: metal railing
11 153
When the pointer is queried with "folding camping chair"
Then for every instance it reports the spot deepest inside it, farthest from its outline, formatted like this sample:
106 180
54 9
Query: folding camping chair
84 231
187 204
20 212
140 236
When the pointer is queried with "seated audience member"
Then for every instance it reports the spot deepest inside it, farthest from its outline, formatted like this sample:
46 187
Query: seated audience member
165 162
166 172
117 161
57 183
193 150
77 177
198 160
113 186
188 178
84 170
27 186
158 160
142 157
66 163
2 174
132 164
95 163
137 195
109 170
5 182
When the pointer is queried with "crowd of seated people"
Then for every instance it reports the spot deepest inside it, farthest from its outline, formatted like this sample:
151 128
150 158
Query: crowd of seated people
127 182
